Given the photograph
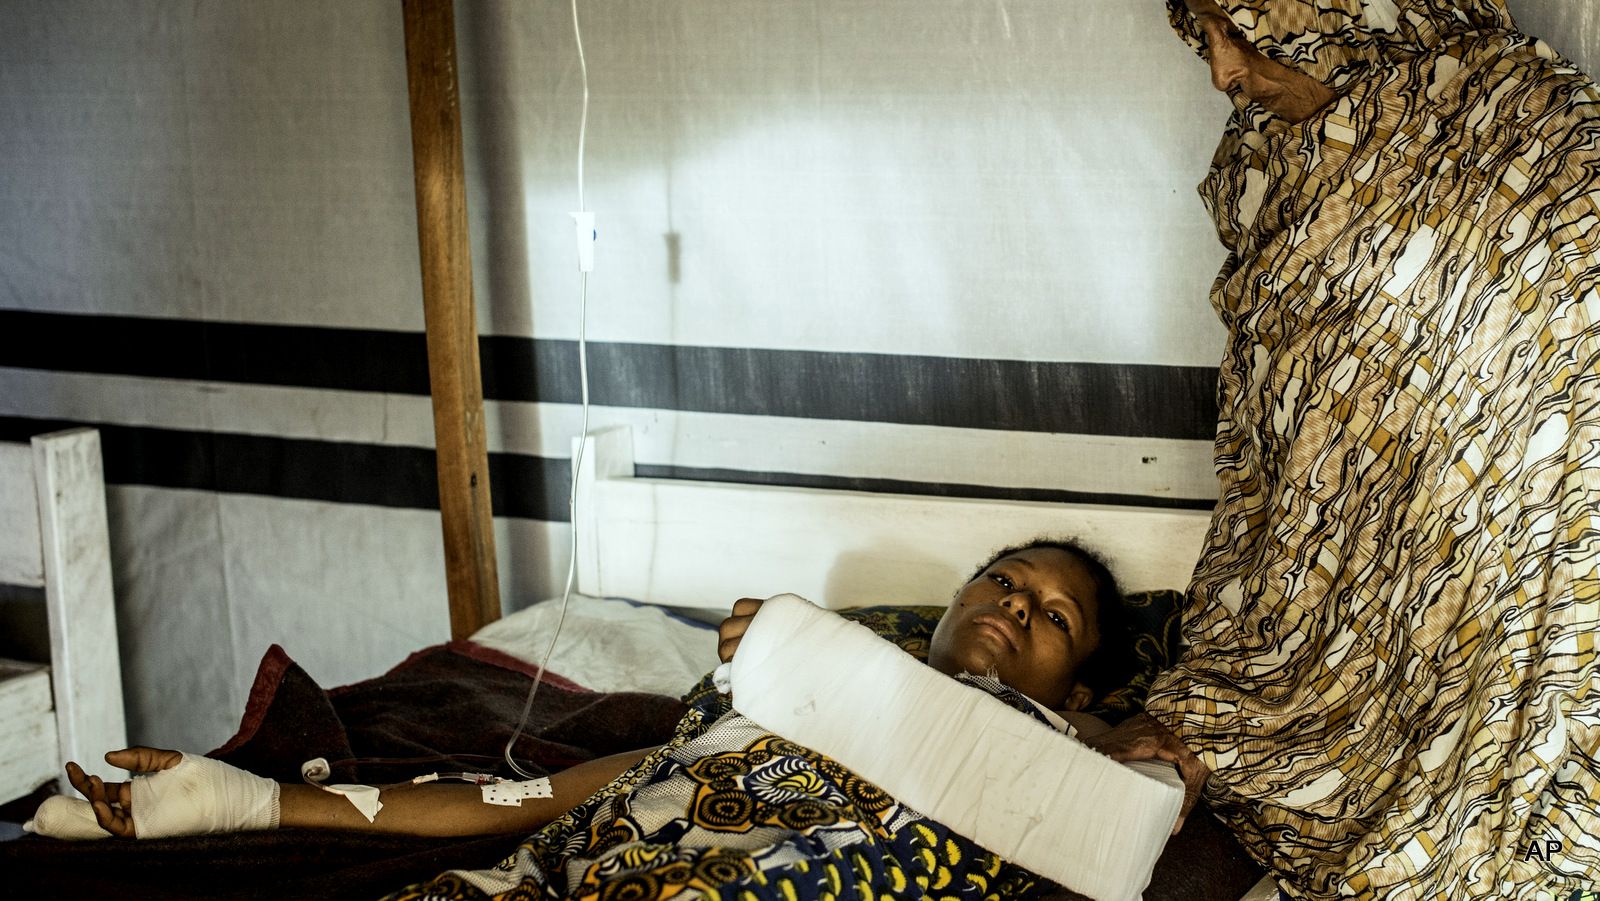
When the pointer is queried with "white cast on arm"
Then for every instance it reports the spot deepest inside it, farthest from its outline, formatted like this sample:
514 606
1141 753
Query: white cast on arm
196 797
954 753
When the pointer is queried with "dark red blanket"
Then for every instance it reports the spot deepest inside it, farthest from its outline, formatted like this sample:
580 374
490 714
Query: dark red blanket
446 708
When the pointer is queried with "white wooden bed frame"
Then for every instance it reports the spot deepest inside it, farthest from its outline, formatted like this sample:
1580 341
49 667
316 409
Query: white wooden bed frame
706 544
53 536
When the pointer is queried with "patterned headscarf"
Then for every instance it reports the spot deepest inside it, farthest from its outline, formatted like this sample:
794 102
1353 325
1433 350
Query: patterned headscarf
1338 42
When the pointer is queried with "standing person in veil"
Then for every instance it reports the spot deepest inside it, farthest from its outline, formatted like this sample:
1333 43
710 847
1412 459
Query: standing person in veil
1391 679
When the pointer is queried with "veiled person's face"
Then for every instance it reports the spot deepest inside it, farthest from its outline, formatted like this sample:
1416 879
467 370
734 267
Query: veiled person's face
1237 64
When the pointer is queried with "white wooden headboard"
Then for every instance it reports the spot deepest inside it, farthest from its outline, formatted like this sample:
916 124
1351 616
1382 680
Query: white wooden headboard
706 544
53 535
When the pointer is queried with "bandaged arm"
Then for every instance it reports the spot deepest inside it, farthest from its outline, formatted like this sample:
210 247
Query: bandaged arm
193 795
959 756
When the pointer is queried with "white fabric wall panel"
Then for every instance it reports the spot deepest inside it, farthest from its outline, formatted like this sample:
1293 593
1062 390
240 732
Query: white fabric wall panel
948 178
179 657
1571 26
214 580
350 586
208 161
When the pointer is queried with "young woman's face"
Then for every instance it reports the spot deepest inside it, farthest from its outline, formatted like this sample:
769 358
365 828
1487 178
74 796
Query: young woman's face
1032 618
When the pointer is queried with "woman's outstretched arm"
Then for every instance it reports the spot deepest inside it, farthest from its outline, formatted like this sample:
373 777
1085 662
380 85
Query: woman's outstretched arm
433 808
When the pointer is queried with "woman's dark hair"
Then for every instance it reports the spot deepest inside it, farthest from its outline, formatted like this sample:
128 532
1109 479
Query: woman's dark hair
1110 666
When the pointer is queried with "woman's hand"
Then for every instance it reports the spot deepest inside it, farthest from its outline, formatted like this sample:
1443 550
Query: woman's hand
1142 737
734 627
113 801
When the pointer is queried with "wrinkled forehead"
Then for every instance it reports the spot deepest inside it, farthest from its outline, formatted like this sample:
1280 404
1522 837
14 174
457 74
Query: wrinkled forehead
1335 40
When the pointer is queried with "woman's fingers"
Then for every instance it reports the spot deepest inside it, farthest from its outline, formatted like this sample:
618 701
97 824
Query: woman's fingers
115 820
1139 737
144 760
730 638
733 628
1194 775
109 800
78 778
1190 768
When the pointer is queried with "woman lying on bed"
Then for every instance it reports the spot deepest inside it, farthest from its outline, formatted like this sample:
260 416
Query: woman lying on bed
725 800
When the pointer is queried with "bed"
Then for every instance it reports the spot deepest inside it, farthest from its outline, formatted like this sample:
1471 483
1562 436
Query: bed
637 639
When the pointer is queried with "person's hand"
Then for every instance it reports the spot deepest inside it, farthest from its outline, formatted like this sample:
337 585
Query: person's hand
1142 737
113 801
734 627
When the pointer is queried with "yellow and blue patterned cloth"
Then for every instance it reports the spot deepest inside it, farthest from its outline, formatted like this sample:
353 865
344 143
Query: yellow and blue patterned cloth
729 811
1392 629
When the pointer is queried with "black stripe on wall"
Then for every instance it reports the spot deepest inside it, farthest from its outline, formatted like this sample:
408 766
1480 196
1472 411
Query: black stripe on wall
290 355
1074 398
903 486
521 485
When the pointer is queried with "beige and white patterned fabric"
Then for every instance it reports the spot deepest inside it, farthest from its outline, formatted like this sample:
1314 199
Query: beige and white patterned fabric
1393 626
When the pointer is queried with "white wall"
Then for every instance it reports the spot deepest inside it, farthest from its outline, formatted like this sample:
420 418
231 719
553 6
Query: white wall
1571 26
983 182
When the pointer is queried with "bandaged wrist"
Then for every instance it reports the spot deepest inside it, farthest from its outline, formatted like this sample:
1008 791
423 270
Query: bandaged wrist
200 796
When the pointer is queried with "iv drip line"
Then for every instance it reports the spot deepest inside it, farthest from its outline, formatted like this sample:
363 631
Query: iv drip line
583 432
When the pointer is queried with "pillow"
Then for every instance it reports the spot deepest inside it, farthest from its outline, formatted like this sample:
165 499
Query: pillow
1153 617
1156 619
608 644
909 627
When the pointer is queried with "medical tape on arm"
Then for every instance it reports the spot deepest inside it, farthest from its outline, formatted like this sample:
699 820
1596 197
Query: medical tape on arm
496 790
363 797
955 753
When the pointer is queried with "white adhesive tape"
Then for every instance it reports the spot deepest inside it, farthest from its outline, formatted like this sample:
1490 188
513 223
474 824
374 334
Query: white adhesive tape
364 797
316 770
510 794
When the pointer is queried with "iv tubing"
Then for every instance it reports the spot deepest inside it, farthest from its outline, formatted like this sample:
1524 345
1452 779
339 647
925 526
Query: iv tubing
583 433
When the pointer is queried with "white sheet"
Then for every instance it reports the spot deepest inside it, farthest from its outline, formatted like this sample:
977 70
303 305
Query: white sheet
609 644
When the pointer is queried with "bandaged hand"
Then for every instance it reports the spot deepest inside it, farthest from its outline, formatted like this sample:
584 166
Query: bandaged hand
184 794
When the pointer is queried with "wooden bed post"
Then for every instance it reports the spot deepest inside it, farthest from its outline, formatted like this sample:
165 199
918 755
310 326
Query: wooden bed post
457 384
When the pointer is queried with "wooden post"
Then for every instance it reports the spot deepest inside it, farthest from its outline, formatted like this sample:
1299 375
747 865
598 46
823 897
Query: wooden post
457 384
